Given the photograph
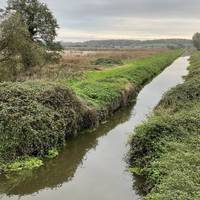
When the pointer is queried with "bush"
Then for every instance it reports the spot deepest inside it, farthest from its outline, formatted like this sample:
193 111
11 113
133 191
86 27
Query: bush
36 117
107 61
17 51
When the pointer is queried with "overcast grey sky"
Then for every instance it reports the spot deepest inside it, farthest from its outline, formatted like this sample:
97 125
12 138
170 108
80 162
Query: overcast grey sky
81 20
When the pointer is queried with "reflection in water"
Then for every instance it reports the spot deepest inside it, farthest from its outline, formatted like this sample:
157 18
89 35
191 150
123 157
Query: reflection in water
92 166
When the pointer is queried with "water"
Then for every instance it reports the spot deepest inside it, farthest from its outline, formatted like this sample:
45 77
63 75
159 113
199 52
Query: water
92 166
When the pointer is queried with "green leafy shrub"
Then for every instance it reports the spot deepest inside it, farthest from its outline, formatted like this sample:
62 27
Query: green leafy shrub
107 61
36 117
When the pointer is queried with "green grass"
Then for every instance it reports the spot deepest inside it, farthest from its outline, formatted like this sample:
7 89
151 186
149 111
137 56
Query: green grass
166 148
101 88
36 117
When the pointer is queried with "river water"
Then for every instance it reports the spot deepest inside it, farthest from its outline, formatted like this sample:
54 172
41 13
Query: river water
93 166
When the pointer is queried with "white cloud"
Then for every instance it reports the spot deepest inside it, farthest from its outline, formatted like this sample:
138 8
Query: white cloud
133 28
125 19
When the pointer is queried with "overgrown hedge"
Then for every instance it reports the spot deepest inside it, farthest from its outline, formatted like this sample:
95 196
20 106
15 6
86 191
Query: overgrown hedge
38 116
166 148
35 117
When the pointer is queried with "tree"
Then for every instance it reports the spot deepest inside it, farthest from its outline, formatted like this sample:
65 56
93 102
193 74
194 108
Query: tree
196 40
27 33
17 50
40 21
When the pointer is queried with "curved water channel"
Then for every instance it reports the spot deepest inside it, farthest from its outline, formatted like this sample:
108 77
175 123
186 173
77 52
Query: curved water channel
92 166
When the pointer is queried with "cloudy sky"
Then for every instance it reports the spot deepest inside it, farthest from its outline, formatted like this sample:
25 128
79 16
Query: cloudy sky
82 20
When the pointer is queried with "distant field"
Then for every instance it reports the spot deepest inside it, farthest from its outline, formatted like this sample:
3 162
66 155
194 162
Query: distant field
77 61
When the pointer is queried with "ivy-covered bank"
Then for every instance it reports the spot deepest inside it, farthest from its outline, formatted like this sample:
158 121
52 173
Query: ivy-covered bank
37 117
166 148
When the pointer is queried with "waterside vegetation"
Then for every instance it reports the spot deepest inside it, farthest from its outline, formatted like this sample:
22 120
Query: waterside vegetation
165 149
36 117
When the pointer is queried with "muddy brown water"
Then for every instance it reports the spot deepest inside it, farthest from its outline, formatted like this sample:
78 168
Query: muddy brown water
92 166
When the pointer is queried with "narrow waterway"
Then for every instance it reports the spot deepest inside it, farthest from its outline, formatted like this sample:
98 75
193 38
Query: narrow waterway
92 166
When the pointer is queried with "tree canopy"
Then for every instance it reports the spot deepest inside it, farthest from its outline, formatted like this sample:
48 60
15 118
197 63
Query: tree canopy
27 34
39 19
17 50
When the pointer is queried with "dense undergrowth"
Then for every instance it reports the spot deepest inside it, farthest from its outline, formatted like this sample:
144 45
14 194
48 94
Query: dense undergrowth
37 117
166 148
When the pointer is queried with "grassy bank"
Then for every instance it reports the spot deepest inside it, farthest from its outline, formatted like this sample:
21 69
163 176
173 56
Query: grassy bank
37 117
166 148
101 88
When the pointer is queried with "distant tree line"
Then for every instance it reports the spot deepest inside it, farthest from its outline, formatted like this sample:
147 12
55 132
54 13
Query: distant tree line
27 34
130 43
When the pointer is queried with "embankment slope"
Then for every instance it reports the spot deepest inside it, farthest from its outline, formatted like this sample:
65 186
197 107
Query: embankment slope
166 148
